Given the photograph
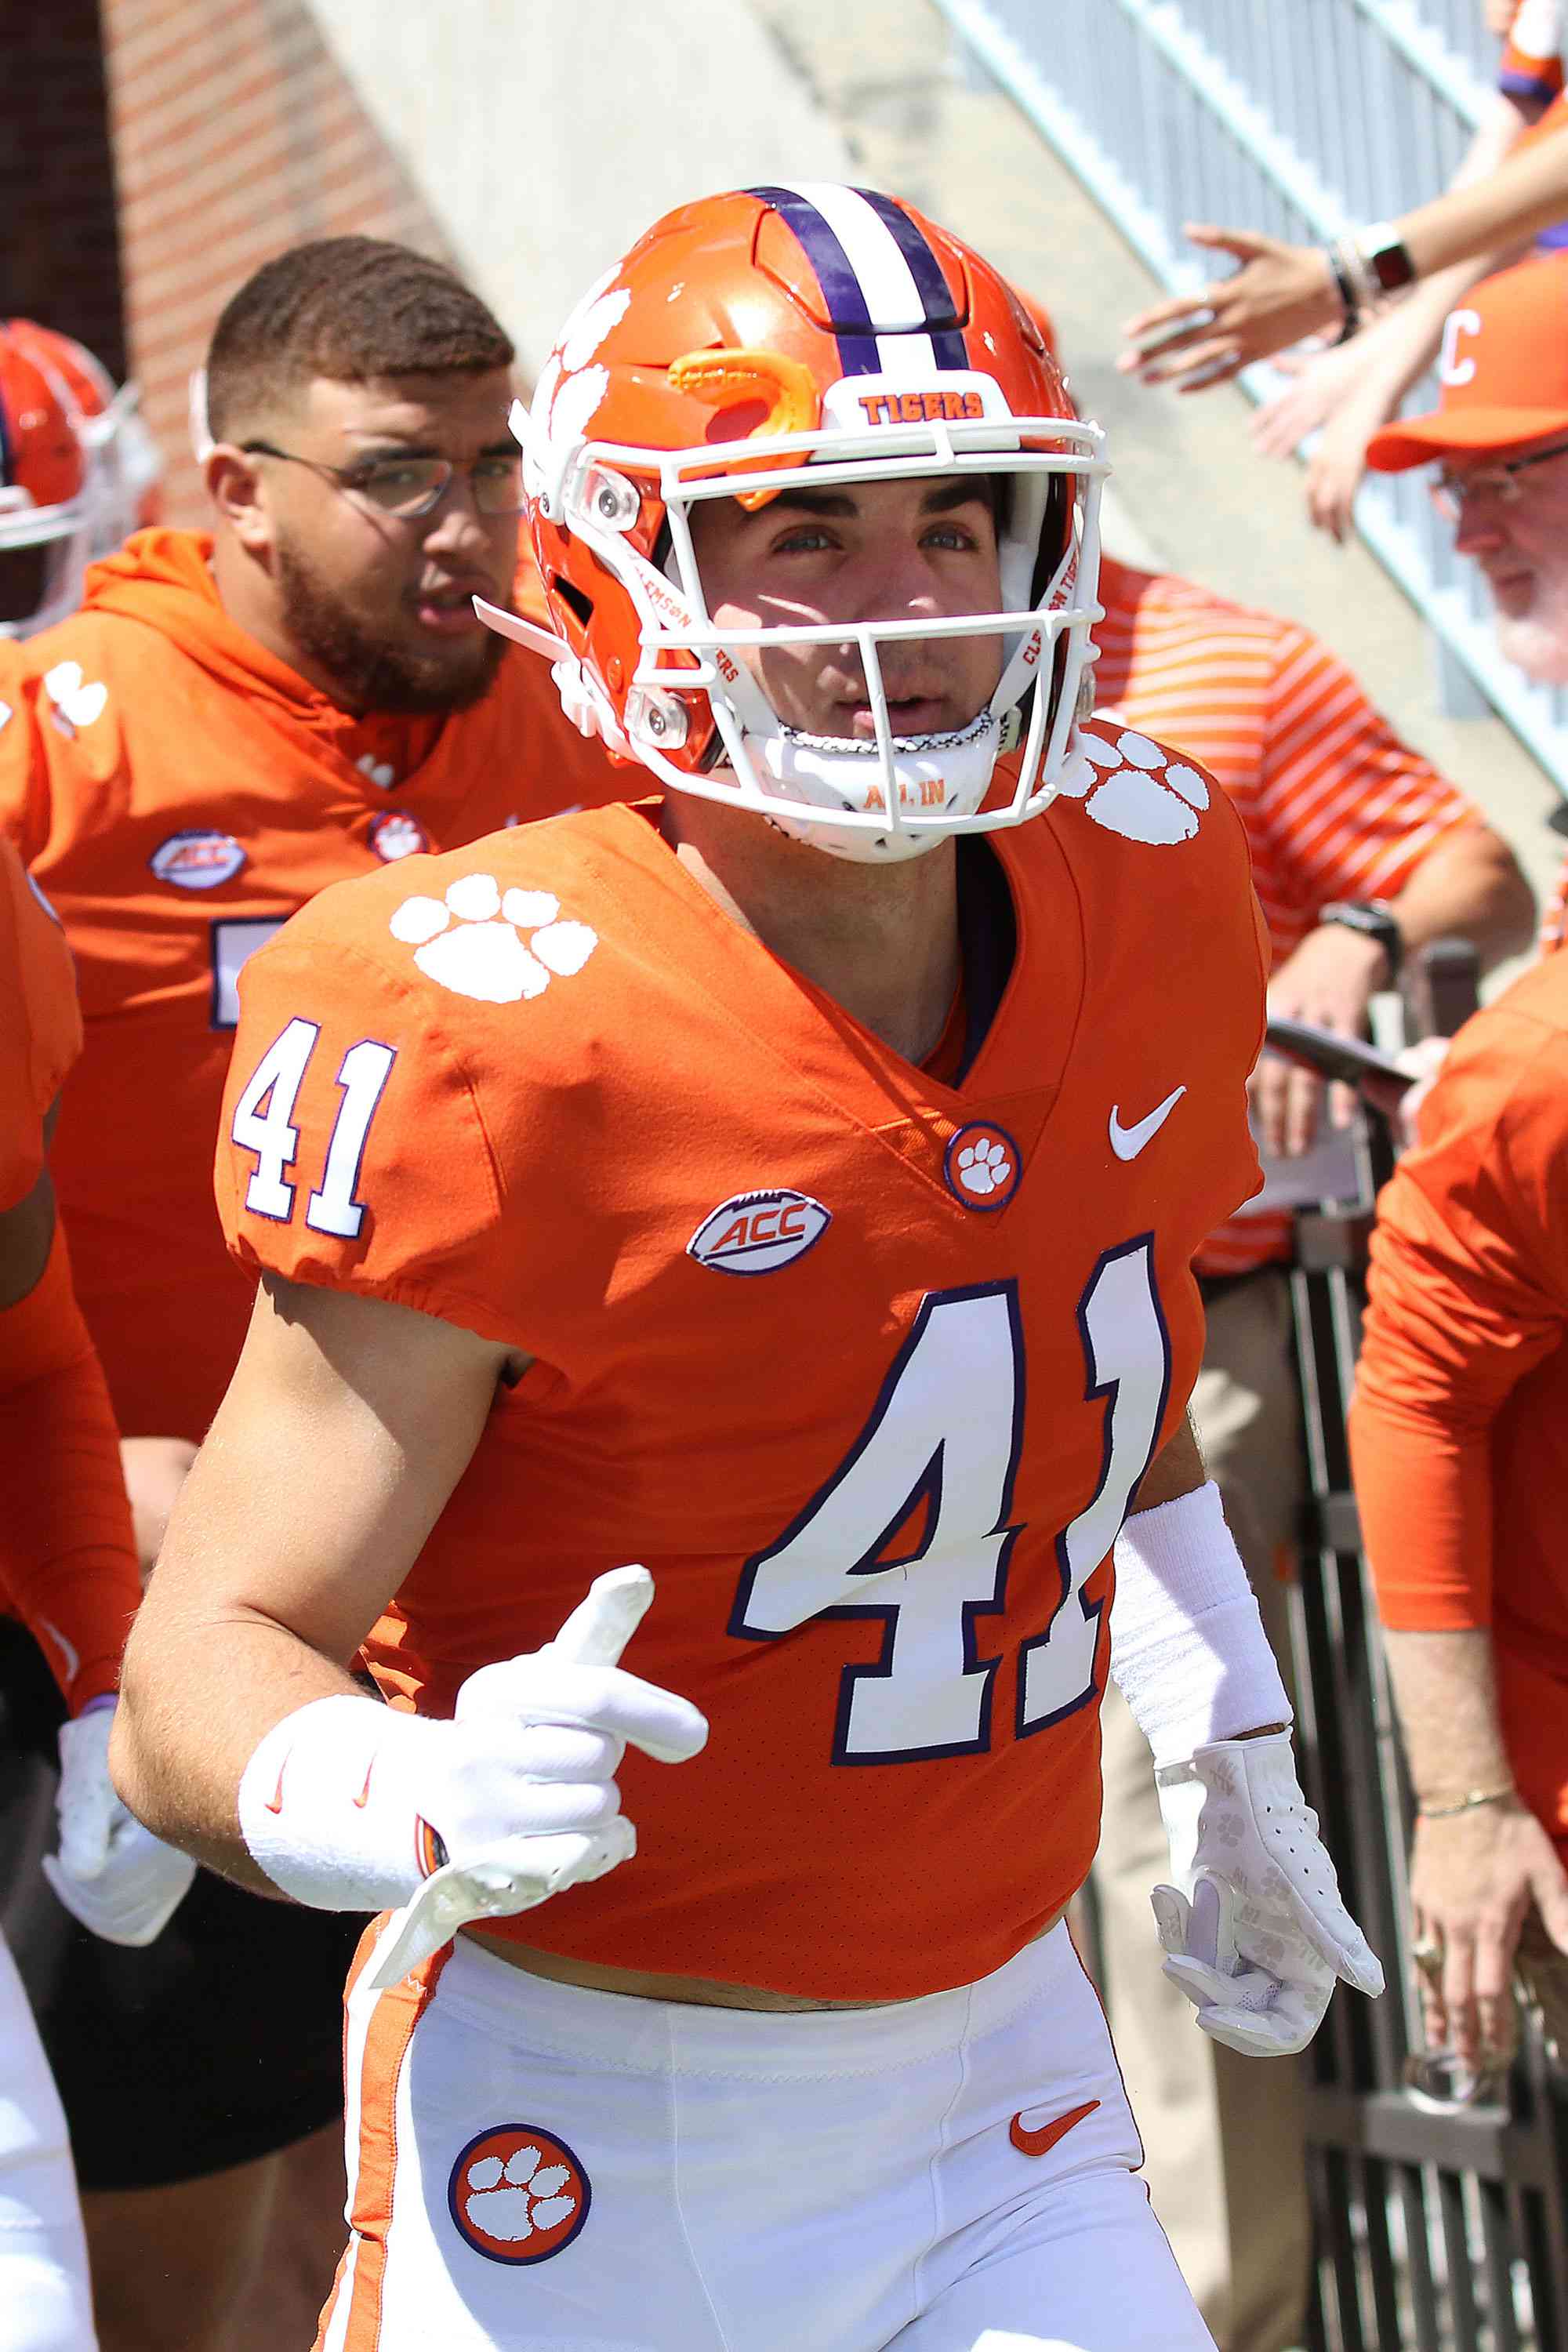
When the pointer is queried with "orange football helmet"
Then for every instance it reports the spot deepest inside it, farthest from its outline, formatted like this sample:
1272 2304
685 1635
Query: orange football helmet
78 471
742 338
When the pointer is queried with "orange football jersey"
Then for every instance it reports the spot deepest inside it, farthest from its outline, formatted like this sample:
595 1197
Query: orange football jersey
178 791
864 1367
1460 1428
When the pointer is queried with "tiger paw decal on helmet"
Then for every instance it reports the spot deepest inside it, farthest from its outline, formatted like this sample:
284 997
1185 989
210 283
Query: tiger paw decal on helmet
1134 787
470 940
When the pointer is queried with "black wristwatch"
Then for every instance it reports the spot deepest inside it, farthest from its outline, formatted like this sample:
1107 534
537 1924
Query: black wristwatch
1375 918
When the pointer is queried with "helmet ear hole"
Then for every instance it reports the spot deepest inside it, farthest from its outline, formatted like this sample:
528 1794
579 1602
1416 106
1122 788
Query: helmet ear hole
579 606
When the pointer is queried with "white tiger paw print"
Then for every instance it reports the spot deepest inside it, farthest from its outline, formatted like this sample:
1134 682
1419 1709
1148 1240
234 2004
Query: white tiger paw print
469 940
983 1167
510 2201
1134 788
76 703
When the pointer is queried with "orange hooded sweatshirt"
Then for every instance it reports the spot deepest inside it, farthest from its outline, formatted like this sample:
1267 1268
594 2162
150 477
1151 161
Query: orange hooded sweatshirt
179 792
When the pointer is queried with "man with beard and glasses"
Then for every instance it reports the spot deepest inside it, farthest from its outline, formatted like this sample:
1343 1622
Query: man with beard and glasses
231 722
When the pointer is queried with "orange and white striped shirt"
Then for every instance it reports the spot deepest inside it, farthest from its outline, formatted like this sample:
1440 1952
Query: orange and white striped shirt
1334 805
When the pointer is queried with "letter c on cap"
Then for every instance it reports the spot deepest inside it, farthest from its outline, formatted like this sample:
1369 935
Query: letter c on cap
1452 370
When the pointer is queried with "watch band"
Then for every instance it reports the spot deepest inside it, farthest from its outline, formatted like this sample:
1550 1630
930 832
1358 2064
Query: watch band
1375 919
1385 255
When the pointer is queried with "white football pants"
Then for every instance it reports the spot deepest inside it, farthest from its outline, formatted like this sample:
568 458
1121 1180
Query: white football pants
533 2168
46 2304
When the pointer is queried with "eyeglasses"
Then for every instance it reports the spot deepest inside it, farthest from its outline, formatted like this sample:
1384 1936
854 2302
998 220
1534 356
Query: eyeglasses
409 487
1500 481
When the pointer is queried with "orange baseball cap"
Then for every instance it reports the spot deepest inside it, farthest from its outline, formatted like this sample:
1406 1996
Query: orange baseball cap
1503 370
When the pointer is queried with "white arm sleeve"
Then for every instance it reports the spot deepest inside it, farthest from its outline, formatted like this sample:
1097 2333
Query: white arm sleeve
1188 1652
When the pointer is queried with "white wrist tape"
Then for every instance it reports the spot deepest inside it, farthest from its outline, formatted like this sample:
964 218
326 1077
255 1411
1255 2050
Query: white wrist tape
1188 1652
326 1803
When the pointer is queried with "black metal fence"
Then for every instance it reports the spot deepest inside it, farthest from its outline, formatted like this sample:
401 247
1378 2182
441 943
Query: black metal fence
1438 2229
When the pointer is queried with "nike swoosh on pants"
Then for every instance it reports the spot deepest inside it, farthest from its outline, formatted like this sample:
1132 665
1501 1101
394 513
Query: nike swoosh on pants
1040 2141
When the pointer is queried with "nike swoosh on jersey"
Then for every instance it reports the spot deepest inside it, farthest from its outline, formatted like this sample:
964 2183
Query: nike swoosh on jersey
67 1649
1127 1142
1040 2142
274 1803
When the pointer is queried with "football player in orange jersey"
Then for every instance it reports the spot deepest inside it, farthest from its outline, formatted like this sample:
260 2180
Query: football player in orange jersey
68 1567
231 722
790 1181
78 470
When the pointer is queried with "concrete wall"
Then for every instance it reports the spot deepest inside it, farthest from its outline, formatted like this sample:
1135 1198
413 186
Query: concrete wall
525 141
237 134
546 137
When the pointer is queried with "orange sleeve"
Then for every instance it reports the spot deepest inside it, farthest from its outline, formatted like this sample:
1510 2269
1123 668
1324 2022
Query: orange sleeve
372 1175
1467 1294
24 765
40 1026
68 1557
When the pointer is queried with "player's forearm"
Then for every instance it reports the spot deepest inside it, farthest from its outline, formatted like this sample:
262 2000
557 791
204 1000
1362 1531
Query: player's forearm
1177 1469
1445 1688
1470 887
196 1700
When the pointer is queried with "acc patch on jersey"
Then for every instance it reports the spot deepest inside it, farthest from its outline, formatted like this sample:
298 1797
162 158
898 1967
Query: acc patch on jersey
395 835
517 2194
756 1233
197 861
981 1166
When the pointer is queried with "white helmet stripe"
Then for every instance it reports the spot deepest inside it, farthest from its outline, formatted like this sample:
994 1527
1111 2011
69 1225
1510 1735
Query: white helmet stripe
885 276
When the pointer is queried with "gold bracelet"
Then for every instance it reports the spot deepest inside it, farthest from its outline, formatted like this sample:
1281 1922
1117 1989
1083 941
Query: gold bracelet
1471 1798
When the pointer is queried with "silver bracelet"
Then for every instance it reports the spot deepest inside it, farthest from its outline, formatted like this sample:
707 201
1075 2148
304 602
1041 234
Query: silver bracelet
1467 1803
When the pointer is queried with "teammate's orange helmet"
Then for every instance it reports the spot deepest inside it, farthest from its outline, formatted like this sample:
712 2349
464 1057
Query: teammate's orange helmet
743 337
78 471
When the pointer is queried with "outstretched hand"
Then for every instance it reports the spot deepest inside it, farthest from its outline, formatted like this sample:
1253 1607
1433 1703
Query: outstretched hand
1280 293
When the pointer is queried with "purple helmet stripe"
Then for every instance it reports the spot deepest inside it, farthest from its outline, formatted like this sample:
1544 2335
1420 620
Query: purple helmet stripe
841 290
941 320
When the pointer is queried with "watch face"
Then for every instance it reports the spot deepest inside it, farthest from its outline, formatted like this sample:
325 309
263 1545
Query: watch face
1391 266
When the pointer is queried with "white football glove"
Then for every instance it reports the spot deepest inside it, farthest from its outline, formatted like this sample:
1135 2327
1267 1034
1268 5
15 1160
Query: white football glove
112 1874
1254 1928
350 1805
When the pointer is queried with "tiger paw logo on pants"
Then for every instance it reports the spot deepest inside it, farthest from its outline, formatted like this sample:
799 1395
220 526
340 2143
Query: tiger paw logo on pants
517 2194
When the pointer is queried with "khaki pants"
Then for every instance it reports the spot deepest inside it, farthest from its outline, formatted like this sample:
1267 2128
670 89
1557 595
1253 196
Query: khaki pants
1223 2135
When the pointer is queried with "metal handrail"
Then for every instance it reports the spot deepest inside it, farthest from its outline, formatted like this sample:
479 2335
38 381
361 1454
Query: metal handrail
1302 118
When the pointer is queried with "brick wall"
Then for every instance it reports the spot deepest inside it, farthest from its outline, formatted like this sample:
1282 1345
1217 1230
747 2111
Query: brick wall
236 134
56 183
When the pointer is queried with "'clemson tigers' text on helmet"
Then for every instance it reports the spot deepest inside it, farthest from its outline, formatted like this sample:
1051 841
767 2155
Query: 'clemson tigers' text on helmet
78 471
743 337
